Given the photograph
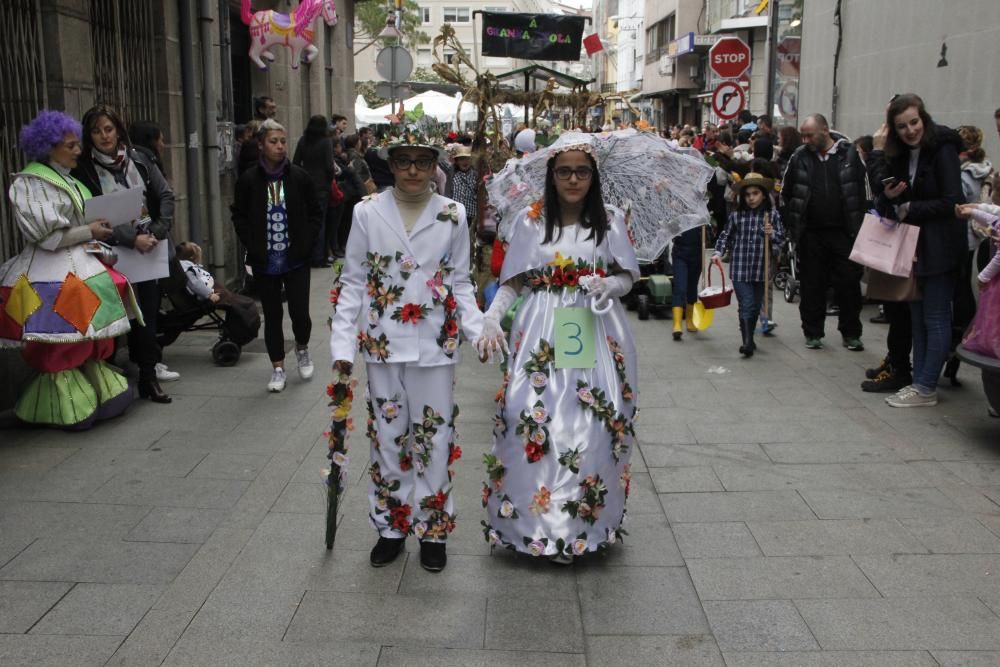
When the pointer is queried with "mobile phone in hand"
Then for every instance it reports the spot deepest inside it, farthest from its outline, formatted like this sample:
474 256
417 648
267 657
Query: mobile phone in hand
889 182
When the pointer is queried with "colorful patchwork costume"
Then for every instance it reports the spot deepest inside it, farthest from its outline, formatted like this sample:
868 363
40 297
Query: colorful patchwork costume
62 306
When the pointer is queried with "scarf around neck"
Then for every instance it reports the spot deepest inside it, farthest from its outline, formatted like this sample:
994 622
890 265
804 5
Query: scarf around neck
273 174
117 165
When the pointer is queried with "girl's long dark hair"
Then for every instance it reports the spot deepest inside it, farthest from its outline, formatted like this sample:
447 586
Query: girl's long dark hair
893 144
594 218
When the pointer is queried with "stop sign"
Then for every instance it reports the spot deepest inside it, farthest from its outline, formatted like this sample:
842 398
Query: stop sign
729 57
789 55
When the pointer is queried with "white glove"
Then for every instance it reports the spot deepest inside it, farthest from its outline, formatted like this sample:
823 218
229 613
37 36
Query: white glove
492 342
492 339
603 289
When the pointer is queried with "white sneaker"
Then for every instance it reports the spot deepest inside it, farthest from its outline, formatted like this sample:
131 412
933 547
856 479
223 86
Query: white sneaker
277 382
910 397
305 364
164 374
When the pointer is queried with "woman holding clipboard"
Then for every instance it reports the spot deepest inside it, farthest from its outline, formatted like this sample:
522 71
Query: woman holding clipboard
109 164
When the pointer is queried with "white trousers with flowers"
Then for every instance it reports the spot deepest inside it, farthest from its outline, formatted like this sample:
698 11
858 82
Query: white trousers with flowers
411 427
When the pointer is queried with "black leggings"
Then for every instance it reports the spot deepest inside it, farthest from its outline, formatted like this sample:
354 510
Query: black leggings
296 284
143 349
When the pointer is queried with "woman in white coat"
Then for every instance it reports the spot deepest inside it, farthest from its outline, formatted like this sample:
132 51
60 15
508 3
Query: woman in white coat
406 274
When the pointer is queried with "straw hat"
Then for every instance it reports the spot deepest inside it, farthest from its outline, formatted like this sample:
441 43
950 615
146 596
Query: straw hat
753 178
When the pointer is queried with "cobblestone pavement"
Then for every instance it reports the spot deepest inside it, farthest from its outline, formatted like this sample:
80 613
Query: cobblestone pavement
779 517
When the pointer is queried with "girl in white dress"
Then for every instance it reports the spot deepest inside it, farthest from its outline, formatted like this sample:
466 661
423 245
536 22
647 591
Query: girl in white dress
559 468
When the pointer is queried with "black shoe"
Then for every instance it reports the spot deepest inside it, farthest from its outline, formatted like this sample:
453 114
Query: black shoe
872 373
887 382
432 556
386 550
677 335
880 318
951 370
151 389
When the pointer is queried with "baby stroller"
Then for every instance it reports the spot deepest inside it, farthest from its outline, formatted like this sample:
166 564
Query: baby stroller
237 325
786 278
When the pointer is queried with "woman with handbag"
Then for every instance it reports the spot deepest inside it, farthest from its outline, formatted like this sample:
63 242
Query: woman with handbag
922 185
59 302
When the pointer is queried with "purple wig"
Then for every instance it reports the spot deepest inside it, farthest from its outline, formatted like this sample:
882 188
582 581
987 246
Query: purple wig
48 128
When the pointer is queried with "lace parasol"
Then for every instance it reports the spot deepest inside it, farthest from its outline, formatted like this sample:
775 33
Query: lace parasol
664 189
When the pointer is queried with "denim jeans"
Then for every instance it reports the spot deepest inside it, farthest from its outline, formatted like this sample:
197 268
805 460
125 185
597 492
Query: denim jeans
750 296
932 329
687 270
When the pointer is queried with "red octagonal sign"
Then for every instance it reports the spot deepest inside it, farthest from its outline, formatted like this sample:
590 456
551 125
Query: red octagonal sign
729 57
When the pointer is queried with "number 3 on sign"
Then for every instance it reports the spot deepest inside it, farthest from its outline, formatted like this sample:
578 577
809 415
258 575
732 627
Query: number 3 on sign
574 334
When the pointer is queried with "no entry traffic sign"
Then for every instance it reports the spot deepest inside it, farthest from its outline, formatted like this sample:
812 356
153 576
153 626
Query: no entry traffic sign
729 57
728 100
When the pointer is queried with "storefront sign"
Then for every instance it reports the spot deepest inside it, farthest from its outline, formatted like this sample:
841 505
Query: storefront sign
680 46
532 36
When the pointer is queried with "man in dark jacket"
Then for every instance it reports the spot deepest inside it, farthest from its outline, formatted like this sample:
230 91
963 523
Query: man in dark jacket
825 189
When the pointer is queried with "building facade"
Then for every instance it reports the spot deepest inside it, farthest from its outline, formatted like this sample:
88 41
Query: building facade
948 53
180 63
461 14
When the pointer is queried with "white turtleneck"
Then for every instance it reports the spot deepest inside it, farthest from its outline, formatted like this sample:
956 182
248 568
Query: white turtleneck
411 206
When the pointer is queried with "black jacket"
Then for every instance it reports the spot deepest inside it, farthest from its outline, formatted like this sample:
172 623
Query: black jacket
159 195
933 194
249 211
795 191
317 159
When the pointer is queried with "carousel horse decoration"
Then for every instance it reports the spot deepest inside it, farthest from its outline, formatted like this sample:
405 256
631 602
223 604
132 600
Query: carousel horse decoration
270 28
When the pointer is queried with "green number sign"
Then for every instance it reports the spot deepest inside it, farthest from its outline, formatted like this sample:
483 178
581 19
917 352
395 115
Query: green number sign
574 334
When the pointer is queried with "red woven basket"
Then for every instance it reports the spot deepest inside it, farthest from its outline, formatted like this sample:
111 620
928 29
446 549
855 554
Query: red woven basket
712 298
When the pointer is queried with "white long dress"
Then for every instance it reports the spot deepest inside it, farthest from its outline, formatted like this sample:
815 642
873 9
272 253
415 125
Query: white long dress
558 472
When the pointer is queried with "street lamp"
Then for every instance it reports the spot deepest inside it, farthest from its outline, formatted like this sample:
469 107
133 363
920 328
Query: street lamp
390 31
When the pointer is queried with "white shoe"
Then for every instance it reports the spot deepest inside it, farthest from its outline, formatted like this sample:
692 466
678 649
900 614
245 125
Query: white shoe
306 367
277 382
910 397
164 374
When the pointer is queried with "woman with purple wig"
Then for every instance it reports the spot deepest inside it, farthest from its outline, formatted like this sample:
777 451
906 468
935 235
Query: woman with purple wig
59 301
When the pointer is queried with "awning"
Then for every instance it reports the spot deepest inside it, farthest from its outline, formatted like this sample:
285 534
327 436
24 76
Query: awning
543 73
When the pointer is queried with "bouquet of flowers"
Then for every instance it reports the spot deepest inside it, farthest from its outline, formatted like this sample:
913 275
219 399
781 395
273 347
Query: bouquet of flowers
341 393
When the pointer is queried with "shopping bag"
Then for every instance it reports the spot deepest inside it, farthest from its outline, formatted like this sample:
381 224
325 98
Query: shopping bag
983 335
884 287
886 245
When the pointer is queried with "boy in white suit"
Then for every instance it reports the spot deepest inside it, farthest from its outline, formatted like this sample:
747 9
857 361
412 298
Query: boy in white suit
406 274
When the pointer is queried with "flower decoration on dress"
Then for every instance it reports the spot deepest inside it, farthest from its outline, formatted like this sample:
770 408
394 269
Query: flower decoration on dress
449 214
533 428
619 426
407 265
495 470
538 368
410 313
620 370
389 407
589 506
536 547
541 501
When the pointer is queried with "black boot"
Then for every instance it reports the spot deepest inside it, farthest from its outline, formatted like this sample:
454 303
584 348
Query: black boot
432 556
386 550
748 347
150 388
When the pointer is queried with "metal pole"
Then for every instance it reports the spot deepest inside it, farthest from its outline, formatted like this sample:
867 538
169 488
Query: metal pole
191 143
772 57
209 103
475 40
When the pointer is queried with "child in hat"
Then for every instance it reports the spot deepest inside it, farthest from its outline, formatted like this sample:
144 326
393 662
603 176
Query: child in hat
754 218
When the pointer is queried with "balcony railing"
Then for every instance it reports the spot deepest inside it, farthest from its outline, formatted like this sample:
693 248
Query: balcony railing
609 87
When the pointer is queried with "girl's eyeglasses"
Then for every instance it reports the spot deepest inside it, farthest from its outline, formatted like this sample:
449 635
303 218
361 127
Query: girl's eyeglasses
422 164
581 173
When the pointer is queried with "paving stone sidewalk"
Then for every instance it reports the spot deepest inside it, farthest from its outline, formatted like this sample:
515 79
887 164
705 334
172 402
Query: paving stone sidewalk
779 516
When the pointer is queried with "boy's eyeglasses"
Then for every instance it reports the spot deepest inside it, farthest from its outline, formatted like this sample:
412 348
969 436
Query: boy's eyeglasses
422 164
581 173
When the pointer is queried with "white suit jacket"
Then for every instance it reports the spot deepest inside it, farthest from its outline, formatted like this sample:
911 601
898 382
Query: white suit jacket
412 292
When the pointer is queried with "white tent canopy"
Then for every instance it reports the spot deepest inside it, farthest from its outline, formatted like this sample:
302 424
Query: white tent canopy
438 105
364 115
